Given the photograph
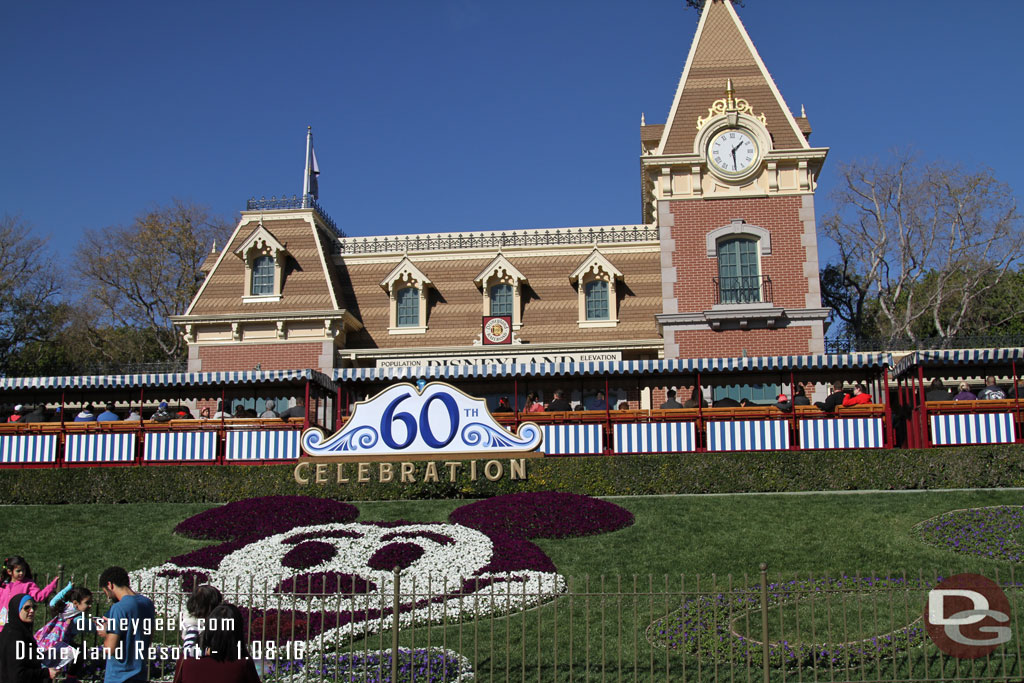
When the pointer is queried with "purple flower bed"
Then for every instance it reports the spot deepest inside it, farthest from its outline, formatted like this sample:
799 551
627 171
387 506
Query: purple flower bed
209 557
312 535
701 627
308 554
258 517
992 532
544 514
326 583
393 555
421 665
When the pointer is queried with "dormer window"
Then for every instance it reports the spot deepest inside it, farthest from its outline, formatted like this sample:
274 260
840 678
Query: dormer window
407 287
264 257
501 286
596 278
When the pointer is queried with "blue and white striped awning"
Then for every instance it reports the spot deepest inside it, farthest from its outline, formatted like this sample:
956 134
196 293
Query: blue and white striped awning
624 367
958 357
176 379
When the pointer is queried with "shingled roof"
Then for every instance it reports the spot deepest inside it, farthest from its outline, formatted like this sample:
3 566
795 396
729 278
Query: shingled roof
722 50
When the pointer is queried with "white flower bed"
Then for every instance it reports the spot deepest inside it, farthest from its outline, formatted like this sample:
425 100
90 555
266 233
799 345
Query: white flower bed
248 577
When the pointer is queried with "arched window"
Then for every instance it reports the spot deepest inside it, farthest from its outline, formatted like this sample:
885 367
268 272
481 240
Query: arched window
501 299
263 276
597 300
739 273
408 307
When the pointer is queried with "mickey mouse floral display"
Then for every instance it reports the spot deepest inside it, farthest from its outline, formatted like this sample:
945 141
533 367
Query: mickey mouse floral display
302 569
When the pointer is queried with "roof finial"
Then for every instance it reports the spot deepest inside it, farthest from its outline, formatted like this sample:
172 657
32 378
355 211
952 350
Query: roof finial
803 112
730 94
642 122
213 249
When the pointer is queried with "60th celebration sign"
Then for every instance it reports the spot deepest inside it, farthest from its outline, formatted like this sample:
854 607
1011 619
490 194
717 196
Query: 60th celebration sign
439 421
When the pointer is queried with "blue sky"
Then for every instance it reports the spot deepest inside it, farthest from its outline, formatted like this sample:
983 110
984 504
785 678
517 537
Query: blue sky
455 115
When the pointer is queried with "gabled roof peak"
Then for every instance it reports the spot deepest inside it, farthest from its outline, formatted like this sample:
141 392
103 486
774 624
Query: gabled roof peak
721 53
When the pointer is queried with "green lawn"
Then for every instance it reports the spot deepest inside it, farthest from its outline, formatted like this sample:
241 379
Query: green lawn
677 543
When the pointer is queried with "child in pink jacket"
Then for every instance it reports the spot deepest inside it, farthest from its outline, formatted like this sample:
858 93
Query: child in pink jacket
16 577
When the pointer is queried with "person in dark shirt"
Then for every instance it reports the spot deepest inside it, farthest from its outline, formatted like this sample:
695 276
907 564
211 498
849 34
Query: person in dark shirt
696 400
800 396
671 401
938 392
558 403
992 391
503 406
834 400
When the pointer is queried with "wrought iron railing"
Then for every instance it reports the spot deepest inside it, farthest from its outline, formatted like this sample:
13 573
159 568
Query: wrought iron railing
743 289
495 240
293 202
859 344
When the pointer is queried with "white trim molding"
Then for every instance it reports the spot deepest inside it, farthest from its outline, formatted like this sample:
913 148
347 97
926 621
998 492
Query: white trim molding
501 271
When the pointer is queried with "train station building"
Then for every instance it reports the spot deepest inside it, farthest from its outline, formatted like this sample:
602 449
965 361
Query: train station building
723 261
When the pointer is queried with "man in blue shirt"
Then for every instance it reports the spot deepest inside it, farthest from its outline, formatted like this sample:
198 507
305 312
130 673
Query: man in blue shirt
129 628
108 414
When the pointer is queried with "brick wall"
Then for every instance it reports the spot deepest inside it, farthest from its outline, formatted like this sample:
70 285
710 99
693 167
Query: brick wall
732 343
269 357
692 220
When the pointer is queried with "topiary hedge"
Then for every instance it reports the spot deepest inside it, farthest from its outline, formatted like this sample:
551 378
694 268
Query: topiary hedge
963 467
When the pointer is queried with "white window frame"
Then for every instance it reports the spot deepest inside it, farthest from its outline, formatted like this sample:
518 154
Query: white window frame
262 243
405 275
597 267
501 271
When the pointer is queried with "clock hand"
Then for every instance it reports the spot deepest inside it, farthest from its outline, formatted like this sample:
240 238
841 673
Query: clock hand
736 147
734 166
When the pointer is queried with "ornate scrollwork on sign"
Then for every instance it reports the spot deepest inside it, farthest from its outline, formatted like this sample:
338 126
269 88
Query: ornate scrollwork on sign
439 420
730 103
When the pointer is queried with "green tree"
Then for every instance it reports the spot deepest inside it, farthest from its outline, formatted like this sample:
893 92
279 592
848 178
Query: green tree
141 274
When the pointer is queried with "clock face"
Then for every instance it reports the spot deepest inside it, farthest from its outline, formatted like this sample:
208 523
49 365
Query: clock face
732 152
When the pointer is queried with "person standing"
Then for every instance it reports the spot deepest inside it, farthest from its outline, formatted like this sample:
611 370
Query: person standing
19 662
127 630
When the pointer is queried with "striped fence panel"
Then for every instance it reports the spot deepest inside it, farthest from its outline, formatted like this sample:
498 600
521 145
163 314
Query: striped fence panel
963 429
748 435
263 445
656 437
180 447
858 432
573 439
99 448
28 448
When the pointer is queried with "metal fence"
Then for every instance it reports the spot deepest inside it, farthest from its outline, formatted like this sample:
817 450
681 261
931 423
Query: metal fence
698 628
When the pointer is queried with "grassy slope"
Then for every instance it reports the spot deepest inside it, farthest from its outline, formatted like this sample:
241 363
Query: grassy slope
672 535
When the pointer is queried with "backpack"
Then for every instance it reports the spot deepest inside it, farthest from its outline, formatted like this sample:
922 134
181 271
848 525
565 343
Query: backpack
51 635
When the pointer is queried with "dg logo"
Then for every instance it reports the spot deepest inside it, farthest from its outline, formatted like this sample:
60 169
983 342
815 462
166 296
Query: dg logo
964 616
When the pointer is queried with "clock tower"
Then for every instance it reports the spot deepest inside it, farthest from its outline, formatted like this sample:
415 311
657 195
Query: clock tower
729 179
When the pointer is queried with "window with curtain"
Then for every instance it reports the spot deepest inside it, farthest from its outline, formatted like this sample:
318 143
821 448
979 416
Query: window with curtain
596 293
739 276
501 299
263 276
408 307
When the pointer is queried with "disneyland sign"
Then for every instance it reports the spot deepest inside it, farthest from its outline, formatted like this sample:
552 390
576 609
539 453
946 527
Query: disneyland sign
502 359
403 425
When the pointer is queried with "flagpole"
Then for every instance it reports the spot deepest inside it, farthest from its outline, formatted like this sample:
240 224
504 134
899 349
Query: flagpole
305 179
